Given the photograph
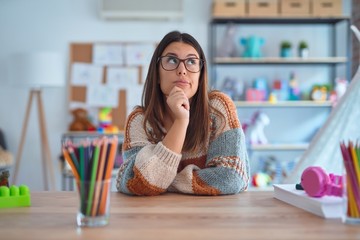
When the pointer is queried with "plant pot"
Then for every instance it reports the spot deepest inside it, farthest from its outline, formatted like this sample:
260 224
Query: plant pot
285 52
304 53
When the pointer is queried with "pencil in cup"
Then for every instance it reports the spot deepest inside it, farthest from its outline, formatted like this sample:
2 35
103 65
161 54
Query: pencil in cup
351 157
92 165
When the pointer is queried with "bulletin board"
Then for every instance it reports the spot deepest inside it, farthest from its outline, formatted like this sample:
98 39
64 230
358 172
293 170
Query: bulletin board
133 58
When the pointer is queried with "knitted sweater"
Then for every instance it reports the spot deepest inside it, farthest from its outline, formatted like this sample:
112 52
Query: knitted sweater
220 167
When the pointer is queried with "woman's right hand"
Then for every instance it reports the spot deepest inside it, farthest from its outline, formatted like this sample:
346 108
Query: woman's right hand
178 104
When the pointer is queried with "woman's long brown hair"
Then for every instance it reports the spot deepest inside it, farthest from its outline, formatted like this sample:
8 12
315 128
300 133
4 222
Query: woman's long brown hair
153 102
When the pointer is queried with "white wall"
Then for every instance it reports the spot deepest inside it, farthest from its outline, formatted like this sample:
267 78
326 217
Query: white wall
42 25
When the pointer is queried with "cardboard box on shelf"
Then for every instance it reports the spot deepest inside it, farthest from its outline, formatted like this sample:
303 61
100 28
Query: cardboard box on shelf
263 8
229 8
296 8
327 8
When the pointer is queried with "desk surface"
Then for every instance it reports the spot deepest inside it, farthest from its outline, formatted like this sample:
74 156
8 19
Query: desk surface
249 215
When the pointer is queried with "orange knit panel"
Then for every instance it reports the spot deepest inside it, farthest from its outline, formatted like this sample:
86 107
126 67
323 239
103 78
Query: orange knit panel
139 186
127 140
229 108
201 188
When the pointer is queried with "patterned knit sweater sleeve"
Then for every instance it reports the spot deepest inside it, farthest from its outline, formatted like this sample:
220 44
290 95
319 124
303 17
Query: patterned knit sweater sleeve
226 169
148 168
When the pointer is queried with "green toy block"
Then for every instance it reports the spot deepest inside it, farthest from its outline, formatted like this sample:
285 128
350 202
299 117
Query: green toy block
14 196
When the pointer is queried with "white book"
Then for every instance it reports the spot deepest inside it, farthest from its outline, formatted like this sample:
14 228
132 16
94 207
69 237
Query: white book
326 206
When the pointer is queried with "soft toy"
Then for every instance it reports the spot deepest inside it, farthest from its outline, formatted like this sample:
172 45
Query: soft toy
252 46
81 121
6 158
4 178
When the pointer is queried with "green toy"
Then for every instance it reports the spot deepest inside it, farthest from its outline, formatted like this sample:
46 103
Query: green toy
14 196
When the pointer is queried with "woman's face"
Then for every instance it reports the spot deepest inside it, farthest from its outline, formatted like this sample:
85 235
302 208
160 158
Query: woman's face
181 77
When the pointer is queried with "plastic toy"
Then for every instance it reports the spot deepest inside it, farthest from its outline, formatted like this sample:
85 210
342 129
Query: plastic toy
105 121
317 183
227 48
294 91
254 95
261 84
273 98
14 196
260 180
280 88
233 88
252 46
255 129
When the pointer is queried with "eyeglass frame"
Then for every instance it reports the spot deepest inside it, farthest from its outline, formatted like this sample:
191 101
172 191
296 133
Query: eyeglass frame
182 61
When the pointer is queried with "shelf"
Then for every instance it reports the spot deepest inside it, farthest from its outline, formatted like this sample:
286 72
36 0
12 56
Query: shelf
279 60
326 104
281 20
279 147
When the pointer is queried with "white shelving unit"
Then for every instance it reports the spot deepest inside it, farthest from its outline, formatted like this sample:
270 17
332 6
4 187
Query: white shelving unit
280 147
293 123
278 60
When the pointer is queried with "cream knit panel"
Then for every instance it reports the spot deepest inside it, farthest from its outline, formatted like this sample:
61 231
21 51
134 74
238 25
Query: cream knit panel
183 181
136 132
157 164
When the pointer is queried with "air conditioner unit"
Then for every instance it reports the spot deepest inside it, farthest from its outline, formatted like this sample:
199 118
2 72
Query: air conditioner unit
141 9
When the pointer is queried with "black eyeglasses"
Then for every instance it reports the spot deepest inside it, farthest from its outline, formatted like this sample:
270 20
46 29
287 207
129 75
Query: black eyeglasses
170 63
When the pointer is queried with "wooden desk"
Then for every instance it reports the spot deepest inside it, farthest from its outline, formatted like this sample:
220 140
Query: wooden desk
249 215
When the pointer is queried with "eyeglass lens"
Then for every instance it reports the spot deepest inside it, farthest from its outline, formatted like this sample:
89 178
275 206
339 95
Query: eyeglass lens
170 63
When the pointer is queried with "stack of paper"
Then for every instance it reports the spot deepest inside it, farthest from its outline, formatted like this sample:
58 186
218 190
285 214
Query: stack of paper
326 207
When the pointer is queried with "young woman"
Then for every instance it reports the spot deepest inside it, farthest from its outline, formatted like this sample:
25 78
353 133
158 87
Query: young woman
183 138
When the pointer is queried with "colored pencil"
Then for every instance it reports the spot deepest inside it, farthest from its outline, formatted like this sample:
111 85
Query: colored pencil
99 176
71 163
94 167
107 177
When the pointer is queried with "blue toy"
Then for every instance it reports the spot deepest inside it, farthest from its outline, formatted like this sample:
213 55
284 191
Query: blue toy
252 46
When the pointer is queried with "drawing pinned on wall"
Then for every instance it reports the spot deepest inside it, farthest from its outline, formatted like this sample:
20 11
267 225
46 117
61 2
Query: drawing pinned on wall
122 77
144 71
138 54
102 95
107 54
84 74
132 102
